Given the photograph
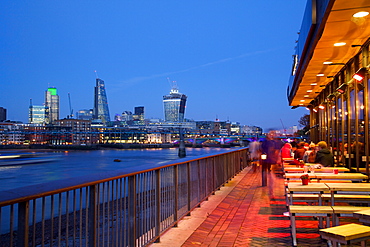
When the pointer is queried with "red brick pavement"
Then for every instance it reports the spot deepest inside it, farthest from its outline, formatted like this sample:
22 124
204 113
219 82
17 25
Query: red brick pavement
252 215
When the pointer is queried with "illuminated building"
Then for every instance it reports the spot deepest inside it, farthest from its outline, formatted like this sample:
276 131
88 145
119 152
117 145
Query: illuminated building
139 113
2 114
84 114
174 106
330 78
101 110
37 114
52 105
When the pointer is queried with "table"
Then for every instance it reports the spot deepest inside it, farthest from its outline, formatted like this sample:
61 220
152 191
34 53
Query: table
319 176
363 216
315 188
323 169
357 188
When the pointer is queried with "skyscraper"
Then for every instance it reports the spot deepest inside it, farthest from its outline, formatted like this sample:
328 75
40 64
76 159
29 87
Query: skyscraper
101 110
2 114
37 114
52 104
139 113
174 105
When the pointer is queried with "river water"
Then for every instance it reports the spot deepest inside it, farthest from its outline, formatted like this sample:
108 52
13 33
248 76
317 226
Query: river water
79 163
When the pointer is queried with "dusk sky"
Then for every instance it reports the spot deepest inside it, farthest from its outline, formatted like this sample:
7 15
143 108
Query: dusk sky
232 58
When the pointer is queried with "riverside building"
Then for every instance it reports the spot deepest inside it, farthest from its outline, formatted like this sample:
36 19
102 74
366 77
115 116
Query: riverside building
330 76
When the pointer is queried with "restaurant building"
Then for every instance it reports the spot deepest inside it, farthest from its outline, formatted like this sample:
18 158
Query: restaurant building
330 76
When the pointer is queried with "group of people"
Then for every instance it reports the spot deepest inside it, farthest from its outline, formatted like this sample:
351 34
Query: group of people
276 150
309 153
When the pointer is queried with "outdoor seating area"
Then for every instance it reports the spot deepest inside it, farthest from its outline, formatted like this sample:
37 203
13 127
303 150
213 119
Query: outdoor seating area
285 213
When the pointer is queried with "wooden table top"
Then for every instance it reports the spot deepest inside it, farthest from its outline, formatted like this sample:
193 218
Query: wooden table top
357 176
310 187
324 169
360 187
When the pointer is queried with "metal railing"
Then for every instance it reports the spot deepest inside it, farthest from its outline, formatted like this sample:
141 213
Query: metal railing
113 209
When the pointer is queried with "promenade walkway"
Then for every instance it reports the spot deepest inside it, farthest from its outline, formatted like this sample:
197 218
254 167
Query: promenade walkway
243 213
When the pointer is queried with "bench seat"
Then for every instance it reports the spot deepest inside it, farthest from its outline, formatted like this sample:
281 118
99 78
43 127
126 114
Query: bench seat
346 234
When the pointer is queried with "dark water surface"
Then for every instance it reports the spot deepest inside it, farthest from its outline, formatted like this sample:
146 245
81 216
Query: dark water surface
79 163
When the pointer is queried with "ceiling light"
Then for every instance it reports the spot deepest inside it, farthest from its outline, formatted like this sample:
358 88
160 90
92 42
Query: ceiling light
327 62
361 14
360 74
309 91
315 109
306 96
313 84
340 44
320 75
321 107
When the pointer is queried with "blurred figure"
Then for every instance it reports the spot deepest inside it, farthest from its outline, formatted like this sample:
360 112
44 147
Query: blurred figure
286 151
310 155
255 152
299 152
323 155
271 147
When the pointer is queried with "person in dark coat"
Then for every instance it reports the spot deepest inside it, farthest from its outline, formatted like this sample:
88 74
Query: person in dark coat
299 152
323 155
271 147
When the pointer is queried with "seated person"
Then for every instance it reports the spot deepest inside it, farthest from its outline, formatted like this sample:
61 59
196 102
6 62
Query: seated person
323 155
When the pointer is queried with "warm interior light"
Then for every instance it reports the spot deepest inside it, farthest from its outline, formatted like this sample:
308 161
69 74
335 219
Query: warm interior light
302 100
340 44
360 74
320 75
327 62
321 107
361 14
314 109
313 84
306 96
309 91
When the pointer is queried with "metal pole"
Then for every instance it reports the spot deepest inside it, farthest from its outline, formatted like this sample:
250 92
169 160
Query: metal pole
264 169
182 152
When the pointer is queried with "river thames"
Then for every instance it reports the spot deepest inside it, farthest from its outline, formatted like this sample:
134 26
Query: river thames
79 163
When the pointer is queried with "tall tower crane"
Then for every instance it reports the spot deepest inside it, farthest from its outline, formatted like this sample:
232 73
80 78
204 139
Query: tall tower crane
70 107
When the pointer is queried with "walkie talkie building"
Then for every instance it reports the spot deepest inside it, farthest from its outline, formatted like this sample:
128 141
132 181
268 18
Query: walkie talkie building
101 110
174 106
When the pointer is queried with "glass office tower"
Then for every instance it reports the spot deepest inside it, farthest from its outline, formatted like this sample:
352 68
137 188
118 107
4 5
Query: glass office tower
37 114
174 106
101 110
52 104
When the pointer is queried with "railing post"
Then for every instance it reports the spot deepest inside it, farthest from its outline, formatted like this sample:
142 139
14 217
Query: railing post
132 210
176 184
158 204
92 215
23 222
188 185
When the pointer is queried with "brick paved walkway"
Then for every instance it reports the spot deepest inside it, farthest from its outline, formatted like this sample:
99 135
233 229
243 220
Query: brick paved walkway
249 215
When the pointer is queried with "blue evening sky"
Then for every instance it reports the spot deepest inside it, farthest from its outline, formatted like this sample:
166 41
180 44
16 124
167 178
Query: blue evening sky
232 58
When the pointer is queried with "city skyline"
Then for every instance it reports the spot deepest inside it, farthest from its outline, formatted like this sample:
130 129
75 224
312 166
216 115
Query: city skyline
232 59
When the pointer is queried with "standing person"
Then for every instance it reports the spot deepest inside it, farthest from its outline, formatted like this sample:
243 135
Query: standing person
323 155
255 152
271 147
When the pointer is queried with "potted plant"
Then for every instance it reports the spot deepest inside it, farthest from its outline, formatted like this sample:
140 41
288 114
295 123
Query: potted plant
305 179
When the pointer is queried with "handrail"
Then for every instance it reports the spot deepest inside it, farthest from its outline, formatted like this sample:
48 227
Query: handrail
131 206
